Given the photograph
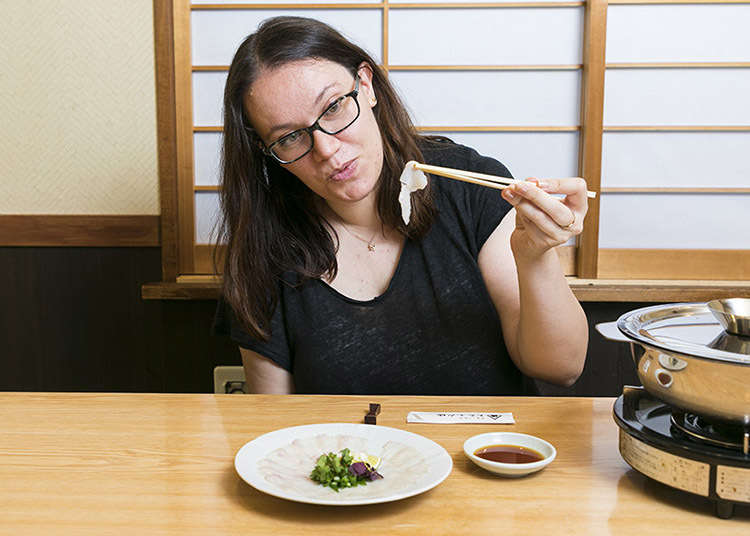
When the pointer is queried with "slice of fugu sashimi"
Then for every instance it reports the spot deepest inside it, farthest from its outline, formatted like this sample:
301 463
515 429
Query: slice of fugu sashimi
412 179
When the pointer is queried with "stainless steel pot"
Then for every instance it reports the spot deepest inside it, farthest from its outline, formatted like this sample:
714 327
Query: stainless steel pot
685 358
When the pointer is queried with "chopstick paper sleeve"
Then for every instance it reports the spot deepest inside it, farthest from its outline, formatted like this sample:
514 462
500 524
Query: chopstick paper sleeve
430 417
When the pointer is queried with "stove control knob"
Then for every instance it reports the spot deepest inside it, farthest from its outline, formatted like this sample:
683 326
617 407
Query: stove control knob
671 362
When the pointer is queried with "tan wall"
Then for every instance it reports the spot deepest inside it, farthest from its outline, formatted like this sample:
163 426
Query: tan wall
77 102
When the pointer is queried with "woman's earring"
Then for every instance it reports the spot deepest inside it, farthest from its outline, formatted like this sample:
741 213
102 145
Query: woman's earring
373 102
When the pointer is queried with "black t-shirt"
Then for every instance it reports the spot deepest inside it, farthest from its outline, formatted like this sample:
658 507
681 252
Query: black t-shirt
434 330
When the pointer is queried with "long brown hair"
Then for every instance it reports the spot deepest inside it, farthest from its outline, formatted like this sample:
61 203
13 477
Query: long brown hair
270 222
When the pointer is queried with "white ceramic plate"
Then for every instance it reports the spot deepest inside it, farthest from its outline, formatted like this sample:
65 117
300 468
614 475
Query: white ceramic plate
510 438
279 463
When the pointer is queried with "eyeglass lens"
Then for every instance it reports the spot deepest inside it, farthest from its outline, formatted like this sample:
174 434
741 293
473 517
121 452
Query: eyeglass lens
338 116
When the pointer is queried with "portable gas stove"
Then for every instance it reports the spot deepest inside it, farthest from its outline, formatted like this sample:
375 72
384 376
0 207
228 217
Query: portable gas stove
685 451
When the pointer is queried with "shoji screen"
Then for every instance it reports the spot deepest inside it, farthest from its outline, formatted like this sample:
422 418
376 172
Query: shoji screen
503 78
647 99
675 172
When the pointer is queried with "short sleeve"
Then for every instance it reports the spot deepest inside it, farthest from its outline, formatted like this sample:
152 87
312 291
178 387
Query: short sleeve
488 206
481 208
276 348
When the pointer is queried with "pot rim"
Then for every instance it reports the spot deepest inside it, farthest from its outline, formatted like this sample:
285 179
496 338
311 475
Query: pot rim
634 325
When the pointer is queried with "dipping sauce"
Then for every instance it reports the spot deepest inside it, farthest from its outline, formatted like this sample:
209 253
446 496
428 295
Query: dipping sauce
508 454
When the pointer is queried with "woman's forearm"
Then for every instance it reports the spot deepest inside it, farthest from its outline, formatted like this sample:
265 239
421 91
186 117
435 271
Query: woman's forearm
552 333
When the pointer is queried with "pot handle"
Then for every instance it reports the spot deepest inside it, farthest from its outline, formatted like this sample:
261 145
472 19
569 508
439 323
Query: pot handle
609 330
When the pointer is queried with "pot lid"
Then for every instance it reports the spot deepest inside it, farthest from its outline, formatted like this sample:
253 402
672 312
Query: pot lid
687 328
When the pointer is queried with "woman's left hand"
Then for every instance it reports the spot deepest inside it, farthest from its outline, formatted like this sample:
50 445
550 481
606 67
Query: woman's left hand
543 221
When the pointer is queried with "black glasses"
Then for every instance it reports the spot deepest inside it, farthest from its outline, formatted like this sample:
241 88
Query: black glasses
339 115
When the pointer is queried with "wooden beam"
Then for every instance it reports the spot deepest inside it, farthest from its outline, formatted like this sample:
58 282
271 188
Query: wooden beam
288 5
181 291
657 2
674 190
618 290
606 190
498 128
586 290
688 264
166 120
204 259
401 5
386 67
592 118
481 5
677 128
682 65
385 38
79 230
184 128
520 67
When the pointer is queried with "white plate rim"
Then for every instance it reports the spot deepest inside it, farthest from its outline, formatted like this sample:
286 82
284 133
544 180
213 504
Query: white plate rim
254 450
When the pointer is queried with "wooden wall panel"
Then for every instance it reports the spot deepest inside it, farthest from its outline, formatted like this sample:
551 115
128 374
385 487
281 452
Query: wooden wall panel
83 230
78 323
686 264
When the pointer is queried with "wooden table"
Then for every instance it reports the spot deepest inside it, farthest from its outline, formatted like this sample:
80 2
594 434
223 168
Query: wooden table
163 464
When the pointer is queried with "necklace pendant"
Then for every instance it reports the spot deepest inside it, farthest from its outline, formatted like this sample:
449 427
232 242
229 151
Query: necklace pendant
371 246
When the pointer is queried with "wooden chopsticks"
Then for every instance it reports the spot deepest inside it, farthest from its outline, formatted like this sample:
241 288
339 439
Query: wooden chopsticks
490 181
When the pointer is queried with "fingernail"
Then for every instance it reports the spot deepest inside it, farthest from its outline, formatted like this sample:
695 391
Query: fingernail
542 184
508 194
522 187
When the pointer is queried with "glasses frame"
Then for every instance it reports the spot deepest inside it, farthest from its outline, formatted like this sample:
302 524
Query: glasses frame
268 150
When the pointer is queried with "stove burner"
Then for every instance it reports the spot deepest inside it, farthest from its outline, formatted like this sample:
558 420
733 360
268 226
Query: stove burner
719 434
685 451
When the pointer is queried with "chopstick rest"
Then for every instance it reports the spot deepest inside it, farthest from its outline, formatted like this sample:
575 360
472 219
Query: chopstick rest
371 417
433 417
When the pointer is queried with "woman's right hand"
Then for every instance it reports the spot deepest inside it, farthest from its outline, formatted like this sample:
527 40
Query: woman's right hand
542 220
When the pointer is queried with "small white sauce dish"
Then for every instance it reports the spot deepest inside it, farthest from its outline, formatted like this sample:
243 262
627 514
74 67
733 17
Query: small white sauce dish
544 448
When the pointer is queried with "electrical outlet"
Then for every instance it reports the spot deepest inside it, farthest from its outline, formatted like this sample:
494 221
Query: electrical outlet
229 380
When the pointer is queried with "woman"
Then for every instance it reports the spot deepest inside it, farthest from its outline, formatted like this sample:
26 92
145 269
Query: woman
327 290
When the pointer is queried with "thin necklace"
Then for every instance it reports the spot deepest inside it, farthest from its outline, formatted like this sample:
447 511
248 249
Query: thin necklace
370 243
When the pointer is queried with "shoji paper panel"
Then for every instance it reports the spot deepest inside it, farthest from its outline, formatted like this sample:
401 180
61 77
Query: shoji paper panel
677 97
206 216
668 33
676 159
208 95
217 34
485 36
526 154
674 221
471 98
206 153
